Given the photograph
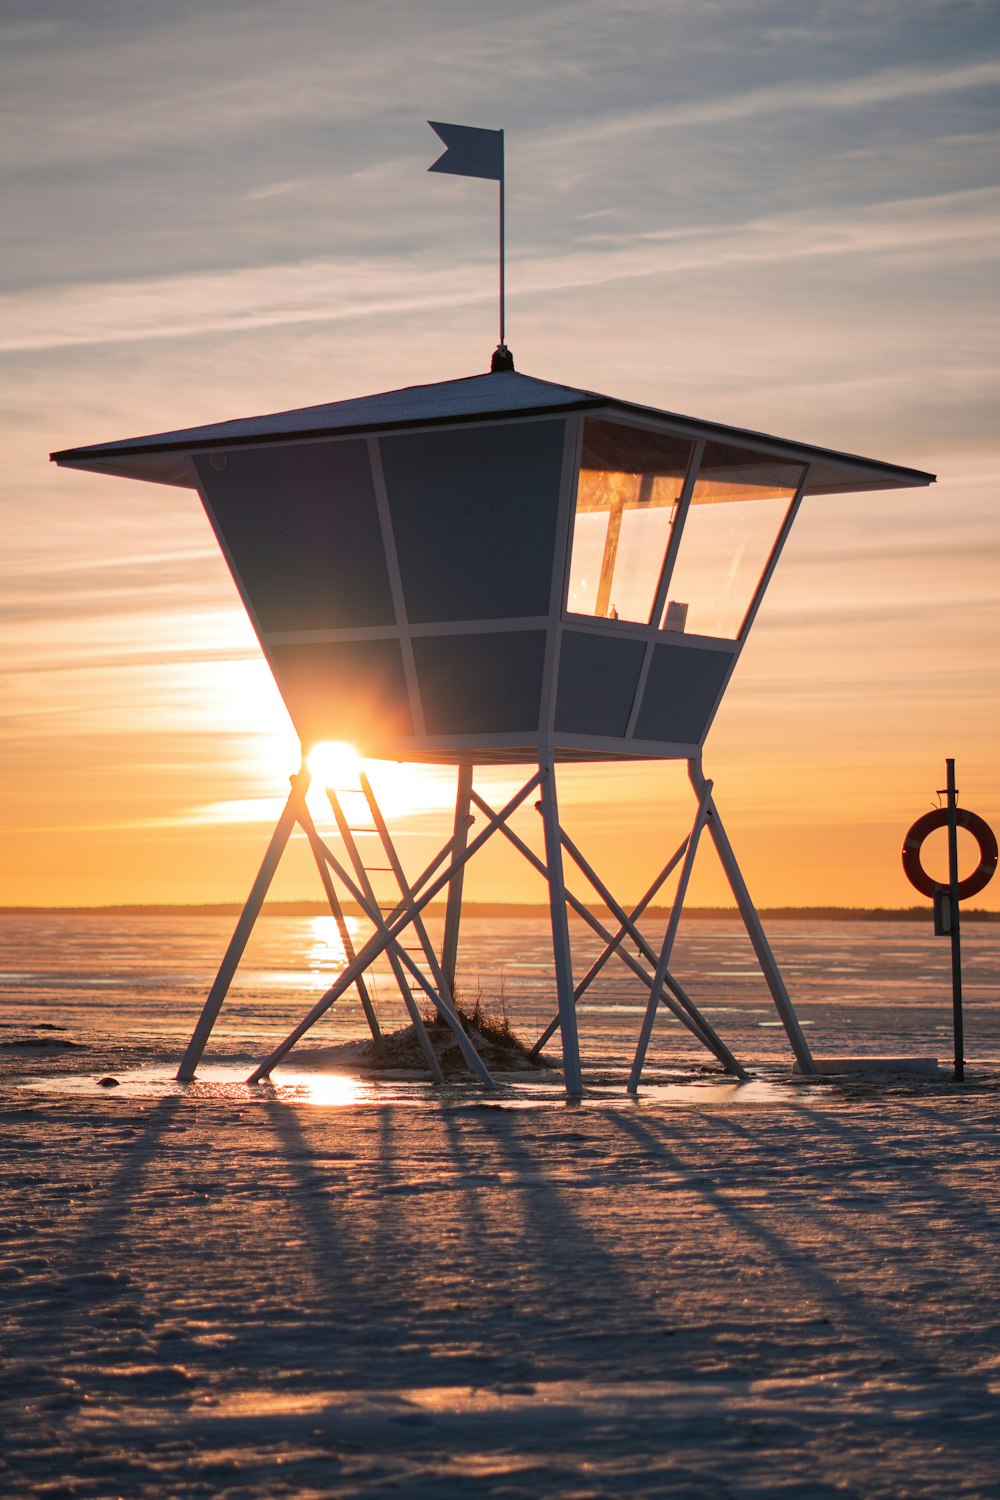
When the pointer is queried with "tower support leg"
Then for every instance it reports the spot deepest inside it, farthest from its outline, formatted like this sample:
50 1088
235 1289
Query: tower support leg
453 910
752 923
549 808
663 962
244 927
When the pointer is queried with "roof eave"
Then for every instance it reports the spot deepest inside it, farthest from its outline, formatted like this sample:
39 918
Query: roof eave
82 457
120 460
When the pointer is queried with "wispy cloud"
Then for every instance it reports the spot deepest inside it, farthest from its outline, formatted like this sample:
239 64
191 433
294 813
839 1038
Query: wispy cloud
885 86
778 219
319 291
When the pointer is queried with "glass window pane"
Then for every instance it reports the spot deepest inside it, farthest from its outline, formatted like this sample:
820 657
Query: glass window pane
739 502
727 473
642 546
589 534
630 482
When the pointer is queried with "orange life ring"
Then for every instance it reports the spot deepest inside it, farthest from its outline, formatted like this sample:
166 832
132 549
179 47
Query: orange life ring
981 832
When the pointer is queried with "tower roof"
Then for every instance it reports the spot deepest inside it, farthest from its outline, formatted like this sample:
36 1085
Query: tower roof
161 457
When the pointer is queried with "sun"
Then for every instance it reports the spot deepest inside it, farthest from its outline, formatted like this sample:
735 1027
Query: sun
335 764
401 790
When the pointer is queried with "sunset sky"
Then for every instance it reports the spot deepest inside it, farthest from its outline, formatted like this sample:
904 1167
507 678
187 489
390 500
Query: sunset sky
773 216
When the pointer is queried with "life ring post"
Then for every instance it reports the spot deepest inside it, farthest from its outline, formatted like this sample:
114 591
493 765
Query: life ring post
947 898
954 924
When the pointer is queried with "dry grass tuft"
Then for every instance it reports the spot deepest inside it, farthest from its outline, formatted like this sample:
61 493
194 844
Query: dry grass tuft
487 1027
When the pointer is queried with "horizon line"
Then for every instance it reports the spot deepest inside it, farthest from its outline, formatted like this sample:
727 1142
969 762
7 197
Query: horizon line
500 909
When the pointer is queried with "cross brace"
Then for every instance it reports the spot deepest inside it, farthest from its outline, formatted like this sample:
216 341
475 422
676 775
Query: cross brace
446 870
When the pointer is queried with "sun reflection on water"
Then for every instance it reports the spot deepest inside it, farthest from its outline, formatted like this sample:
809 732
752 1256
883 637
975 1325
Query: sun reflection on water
326 949
331 1090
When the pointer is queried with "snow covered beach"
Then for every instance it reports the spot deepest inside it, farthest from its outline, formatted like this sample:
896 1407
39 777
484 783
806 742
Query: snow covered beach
235 1292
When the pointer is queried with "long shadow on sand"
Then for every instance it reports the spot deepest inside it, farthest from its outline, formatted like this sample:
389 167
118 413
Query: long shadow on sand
76 1318
477 1262
821 1272
471 1299
92 1235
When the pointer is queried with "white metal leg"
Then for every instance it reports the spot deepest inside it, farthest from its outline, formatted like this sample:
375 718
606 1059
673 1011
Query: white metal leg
244 927
755 930
561 953
453 910
453 856
663 962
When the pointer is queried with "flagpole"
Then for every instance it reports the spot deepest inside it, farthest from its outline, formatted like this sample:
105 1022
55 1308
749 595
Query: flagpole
501 240
473 152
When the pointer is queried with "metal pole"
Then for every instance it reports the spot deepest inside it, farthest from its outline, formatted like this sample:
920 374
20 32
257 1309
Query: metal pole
956 940
244 927
549 808
755 930
453 910
613 944
502 251
663 962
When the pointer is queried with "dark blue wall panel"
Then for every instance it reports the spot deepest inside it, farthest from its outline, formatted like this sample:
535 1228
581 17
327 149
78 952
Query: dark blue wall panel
598 676
351 690
474 517
481 684
301 525
680 693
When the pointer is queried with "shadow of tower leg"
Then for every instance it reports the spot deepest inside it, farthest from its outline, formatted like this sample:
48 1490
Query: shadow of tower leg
752 923
549 808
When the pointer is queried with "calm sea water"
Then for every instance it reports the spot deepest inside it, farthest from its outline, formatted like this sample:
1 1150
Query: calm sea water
859 988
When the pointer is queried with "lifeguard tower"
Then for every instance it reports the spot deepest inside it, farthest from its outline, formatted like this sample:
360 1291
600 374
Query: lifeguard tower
498 570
